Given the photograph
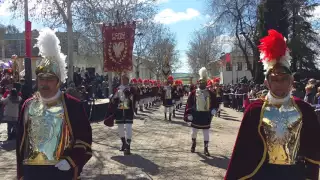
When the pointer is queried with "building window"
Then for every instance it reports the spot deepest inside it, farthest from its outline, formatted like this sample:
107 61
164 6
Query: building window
239 66
247 67
228 67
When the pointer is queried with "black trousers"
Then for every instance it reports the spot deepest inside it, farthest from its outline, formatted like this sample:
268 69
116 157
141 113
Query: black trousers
39 172
281 172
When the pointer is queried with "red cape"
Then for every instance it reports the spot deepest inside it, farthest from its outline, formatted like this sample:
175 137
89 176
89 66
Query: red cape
249 151
80 132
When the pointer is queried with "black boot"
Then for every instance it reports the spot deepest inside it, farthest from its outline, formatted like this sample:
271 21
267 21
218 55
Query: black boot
136 111
193 147
174 113
127 150
169 116
165 116
206 152
123 140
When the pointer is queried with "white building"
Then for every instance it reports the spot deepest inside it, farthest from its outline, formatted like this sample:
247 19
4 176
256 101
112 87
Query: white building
232 72
146 68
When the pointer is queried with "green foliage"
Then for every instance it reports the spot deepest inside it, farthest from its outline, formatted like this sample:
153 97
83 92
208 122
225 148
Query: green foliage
303 40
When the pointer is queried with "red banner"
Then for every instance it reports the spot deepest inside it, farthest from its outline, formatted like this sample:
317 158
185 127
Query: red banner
118 46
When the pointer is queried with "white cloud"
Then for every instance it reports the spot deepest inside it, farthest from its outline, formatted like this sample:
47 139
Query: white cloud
169 16
316 14
4 8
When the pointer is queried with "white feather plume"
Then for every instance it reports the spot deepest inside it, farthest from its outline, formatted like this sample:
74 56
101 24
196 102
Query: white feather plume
203 73
49 46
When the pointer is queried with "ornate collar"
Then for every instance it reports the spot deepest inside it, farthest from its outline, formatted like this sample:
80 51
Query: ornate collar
277 101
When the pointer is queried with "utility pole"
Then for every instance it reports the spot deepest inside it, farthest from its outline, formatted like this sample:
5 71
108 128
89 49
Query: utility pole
28 55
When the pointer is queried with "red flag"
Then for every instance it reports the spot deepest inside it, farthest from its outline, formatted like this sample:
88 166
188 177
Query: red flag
228 58
118 45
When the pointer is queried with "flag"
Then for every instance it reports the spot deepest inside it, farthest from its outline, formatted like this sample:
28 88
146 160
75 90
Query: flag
228 58
118 43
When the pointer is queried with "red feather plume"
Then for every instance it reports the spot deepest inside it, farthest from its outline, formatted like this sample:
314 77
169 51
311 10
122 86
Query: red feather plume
273 46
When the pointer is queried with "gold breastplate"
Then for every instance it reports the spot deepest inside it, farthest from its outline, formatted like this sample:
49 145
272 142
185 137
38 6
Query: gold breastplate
124 102
44 131
168 92
202 100
282 129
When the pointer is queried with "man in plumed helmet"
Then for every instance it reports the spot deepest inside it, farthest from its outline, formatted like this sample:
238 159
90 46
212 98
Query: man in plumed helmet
54 134
167 98
122 111
200 108
276 139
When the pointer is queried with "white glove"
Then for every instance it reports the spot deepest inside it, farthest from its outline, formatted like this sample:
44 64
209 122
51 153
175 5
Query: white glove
63 165
213 112
173 101
190 118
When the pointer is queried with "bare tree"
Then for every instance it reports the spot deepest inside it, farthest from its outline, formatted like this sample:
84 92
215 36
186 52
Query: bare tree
55 14
204 47
163 47
240 18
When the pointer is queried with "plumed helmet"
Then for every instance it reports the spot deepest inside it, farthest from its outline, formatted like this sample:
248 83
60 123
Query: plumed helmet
53 61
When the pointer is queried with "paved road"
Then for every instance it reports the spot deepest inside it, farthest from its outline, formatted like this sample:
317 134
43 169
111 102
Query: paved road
161 150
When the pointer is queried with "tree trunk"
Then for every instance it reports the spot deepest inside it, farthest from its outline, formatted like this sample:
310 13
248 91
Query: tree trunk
138 67
70 42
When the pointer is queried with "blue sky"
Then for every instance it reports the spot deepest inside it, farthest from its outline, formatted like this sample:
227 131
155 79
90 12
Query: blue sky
183 17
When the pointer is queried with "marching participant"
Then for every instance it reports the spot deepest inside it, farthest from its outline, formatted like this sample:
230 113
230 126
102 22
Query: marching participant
141 94
154 90
54 134
146 93
275 140
123 105
201 106
181 93
176 96
167 97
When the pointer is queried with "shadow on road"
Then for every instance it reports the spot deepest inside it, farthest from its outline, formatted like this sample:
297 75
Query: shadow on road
110 176
115 177
220 162
8 145
138 161
180 122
